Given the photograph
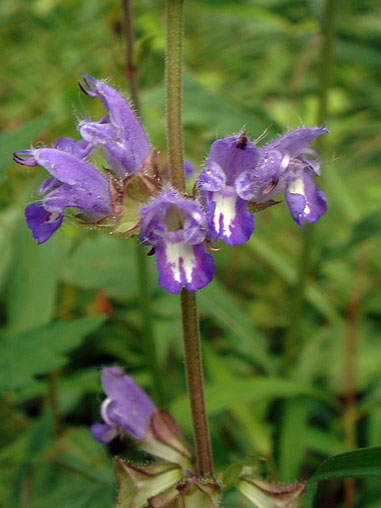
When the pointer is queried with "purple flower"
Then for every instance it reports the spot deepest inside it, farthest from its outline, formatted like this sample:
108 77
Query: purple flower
286 164
74 184
176 227
227 213
124 142
127 409
189 169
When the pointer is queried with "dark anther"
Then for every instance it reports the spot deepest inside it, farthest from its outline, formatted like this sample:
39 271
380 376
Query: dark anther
151 252
82 87
25 161
242 141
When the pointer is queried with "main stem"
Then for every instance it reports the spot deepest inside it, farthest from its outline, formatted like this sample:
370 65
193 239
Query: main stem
141 259
191 330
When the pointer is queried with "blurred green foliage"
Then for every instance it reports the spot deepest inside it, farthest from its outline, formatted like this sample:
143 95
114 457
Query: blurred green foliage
70 306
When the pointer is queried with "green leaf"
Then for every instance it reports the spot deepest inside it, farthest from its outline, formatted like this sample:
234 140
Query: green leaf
361 463
40 350
215 300
253 430
232 472
288 273
20 139
292 438
223 396
367 227
76 473
8 220
33 279
103 262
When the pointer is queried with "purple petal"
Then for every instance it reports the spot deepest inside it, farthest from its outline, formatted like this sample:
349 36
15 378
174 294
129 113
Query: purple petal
123 119
80 148
305 201
86 188
228 217
189 169
212 178
42 222
103 433
234 155
171 213
182 265
69 169
48 185
130 408
94 204
266 180
119 152
294 141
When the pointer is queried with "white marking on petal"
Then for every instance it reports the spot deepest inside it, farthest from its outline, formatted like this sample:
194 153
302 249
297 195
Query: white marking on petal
53 217
296 186
180 254
225 206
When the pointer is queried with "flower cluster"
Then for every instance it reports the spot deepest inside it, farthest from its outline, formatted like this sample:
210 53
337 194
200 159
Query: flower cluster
131 195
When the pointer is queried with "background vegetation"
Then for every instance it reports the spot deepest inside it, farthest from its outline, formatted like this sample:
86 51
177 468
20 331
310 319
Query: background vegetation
288 380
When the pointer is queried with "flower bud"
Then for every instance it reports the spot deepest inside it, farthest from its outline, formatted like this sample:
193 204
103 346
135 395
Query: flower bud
191 493
269 495
137 484
164 439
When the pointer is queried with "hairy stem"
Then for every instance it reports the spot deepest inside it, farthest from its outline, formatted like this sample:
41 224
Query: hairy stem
191 331
141 260
195 379
173 78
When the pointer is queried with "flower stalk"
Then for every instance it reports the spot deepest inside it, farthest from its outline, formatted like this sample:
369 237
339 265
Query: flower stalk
192 346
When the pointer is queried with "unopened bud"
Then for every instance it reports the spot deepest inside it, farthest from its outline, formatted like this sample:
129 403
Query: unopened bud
164 439
137 484
269 495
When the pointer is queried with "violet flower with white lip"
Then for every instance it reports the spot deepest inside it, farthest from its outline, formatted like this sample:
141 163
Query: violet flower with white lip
127 409
124 141
75 184
176 227
286 165
227 213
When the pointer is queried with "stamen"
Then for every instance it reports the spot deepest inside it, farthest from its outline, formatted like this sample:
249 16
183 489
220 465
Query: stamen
285 162
104 406
211 247
25 161
270 187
